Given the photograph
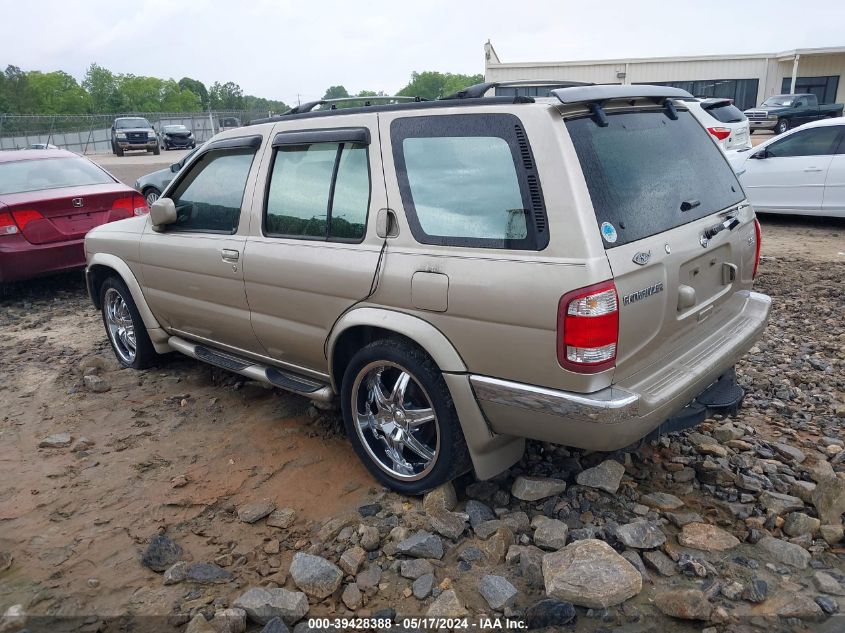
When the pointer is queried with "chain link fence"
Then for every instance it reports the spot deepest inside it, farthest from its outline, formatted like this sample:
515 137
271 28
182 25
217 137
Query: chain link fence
91 134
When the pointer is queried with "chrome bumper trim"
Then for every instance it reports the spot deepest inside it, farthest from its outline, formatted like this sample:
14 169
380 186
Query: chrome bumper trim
608 406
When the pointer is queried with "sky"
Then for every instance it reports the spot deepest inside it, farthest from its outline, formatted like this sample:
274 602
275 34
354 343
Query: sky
286 50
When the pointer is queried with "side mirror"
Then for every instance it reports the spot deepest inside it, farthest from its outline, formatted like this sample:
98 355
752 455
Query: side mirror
387 224
760 154
175 167
162 213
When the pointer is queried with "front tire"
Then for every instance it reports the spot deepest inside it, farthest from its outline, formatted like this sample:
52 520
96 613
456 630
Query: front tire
399 417
156 150
124 327
782 126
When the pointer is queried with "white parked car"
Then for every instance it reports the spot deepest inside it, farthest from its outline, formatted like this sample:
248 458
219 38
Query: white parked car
801 172
725 122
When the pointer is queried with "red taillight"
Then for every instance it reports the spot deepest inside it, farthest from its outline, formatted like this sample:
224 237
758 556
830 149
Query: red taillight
24 217
7 224
758 238
720 133
588 328
127 207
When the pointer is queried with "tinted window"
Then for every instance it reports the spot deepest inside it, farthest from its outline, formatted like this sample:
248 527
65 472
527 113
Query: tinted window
819 141
209 198
469 180
50 173
725 112
320 190
643 166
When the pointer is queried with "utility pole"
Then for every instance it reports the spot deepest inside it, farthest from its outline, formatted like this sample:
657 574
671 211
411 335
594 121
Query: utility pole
298 100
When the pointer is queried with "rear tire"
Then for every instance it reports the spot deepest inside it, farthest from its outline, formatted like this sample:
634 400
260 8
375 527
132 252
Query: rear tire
151 194
410 439
124 327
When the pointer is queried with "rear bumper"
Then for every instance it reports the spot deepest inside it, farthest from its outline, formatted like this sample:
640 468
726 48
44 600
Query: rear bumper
619 415
21 260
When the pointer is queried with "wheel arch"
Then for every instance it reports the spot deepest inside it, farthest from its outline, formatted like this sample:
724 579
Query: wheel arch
364 325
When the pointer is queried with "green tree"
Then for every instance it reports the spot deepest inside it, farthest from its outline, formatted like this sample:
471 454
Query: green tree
16 94
57 93
431 84
102 87
228 96
197 88
336 92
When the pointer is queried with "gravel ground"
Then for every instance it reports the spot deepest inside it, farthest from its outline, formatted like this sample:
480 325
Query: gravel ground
178 492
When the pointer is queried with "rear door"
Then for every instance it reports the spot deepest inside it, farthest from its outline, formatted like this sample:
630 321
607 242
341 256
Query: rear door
790 176
657 183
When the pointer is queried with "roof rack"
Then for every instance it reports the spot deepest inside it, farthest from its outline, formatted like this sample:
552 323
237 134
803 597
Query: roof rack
479 90
368 101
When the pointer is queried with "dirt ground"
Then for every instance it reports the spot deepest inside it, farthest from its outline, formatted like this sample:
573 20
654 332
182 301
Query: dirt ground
183 445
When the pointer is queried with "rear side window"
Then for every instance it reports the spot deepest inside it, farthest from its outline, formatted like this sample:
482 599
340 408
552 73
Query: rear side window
644 169
469 180
726 113
319 191
209 198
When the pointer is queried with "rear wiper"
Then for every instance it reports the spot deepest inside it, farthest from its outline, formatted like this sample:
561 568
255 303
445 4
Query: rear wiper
729 224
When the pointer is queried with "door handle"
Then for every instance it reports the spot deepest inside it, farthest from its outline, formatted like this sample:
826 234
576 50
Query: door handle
809 169
229 255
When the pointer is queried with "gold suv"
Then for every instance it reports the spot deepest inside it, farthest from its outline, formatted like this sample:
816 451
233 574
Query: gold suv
462 273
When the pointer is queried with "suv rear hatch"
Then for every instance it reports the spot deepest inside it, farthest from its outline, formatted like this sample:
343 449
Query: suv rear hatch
658 185
729 122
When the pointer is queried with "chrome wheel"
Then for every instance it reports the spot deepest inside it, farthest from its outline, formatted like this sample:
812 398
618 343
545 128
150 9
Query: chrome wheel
120 327
151 197
395 420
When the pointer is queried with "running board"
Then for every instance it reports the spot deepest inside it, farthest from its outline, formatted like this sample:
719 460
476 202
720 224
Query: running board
256 371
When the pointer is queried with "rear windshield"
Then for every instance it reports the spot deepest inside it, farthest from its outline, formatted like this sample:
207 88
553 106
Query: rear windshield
644 167
49 173
725 112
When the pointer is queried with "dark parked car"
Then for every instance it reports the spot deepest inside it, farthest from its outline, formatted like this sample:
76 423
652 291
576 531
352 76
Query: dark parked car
49 200
782 112
131 133
153 184
177 136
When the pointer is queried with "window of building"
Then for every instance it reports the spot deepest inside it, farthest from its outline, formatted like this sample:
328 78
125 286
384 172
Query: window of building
209 197
742 91
469 180
823 87
319 191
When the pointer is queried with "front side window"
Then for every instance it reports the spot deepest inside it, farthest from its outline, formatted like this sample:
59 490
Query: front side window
819 141
209 198
469 180
319 191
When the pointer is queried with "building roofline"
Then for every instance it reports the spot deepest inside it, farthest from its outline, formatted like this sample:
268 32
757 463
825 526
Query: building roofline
638 60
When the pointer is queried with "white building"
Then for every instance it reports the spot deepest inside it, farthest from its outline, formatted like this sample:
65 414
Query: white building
747 79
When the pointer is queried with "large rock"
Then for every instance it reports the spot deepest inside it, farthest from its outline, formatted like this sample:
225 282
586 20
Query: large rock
784 552
686 604
790 453
441 499
799 524
828 584
282 518
641 535
352 559
315 575
422 586
780 503
199 624
590 573
664 565
661 501
706 537
447 605
262 605
422 545
448 524
256 510
207 574
829 500
229 621
788 604
536 488
606 476
161 553
276 625
478 513
497 591
59 440
550 613
549 533
415 568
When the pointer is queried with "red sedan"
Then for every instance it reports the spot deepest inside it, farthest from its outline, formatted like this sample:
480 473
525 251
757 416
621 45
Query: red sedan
49 200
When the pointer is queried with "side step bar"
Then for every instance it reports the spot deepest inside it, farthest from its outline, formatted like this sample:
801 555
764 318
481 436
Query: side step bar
256 371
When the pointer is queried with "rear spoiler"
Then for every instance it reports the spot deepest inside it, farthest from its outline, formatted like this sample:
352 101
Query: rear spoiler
600 93
595 96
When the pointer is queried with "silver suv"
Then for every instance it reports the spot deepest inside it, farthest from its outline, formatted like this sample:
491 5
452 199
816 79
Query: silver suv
461 274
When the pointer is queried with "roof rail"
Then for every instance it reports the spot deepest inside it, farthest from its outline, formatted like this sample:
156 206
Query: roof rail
368 101
479 90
